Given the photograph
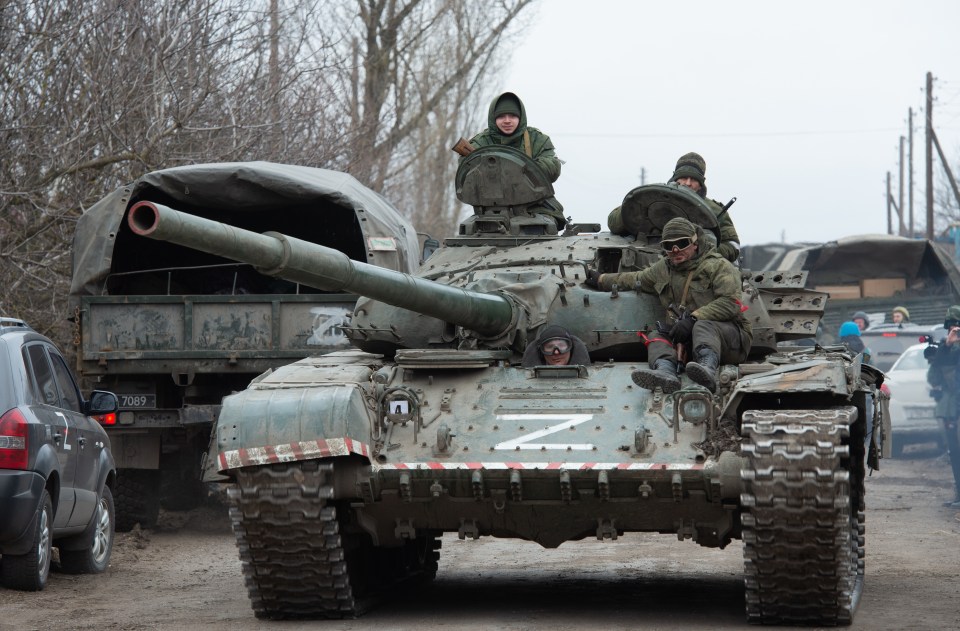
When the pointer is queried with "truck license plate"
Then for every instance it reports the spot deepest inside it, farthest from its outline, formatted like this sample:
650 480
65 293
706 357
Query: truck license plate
137 401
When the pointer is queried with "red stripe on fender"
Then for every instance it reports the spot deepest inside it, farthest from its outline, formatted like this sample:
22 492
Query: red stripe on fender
271 454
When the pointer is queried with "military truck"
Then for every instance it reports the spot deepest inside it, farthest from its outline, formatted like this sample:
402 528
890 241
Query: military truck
347 467
172 330
872 273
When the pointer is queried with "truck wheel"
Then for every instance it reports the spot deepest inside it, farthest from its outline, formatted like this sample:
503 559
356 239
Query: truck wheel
30 571
96 541
180 485
137 498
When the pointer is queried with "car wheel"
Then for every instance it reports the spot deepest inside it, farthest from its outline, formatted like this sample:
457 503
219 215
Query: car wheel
30 571
96 541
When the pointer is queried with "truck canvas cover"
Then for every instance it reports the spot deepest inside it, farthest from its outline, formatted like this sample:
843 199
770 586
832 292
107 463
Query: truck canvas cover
317 205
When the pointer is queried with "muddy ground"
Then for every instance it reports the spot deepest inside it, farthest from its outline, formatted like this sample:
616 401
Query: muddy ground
185 575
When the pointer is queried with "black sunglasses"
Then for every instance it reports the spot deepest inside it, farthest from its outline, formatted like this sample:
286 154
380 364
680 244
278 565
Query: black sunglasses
678 243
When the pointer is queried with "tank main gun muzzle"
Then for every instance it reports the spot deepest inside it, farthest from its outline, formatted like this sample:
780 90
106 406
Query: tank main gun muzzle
292 259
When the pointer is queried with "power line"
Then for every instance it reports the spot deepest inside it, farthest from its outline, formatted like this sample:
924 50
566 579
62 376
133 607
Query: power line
836 132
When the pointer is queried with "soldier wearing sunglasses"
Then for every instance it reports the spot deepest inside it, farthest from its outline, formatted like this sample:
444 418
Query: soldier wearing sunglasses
706 288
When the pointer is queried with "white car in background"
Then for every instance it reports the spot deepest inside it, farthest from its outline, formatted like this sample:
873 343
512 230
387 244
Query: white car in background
911 406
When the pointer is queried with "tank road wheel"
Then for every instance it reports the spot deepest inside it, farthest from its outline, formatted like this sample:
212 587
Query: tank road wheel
137 498
802 517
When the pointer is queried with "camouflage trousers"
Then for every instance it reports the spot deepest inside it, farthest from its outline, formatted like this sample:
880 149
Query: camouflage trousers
726 339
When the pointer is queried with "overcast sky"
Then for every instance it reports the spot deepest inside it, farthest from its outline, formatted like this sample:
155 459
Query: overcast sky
797 107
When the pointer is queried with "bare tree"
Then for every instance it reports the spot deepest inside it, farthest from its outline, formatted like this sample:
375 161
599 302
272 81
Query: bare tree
946 207
93 95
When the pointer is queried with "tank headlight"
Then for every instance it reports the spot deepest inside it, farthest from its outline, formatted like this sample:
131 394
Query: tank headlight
694 409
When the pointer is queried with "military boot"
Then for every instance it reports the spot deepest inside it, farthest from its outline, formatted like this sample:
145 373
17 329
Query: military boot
704 369
663 374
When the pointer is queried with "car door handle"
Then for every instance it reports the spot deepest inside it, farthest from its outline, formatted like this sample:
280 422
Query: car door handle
81 441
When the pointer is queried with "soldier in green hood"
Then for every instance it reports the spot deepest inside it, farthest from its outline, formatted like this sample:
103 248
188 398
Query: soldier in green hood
691 172
706 288
507 125
943 375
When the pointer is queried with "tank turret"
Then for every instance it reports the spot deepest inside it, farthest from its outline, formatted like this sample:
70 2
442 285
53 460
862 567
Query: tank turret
496 283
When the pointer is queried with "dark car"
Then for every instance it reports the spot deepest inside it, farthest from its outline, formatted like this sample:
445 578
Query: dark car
56 469
888 341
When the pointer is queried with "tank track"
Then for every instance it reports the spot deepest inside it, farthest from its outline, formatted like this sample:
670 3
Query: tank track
297 557
803 518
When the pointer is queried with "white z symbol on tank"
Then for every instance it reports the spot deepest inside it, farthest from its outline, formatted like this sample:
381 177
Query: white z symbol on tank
523 442
66 432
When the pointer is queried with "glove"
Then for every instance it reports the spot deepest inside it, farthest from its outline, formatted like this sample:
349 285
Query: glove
593 278
682 330
930 352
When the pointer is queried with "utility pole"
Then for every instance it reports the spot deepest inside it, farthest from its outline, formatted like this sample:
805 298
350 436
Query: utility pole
910 162
929 156
643 176
889 210
900 196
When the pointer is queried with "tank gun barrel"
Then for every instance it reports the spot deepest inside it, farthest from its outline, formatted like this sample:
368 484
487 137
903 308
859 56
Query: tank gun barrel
318 266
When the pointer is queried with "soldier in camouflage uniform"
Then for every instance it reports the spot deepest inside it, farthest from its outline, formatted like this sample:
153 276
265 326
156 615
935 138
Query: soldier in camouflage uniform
943 375
691 172
707 288
507 125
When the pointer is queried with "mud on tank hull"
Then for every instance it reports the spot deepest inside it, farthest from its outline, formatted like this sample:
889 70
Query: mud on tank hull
382 458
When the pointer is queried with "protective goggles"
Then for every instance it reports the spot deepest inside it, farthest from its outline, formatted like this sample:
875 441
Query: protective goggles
681 243
556 346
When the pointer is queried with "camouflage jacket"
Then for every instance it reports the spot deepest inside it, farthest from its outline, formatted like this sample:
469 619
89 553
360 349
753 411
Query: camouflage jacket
713 293
541 147
944 374
729 246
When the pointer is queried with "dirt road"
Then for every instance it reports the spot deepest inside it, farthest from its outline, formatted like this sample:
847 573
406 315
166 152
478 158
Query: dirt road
185 575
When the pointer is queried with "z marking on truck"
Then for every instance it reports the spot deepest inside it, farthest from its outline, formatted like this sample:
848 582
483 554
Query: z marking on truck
523 442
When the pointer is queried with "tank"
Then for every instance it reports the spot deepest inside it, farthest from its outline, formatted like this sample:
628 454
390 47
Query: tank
347 467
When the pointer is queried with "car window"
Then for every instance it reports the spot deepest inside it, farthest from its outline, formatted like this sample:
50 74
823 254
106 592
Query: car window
69 395
911 360
889 342
43 384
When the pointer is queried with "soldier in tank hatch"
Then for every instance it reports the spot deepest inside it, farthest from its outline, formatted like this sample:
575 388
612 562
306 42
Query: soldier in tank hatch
706 288
690 171
507 125
943 375
555 346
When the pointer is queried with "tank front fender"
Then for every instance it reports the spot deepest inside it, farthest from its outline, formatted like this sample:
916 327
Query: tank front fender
825 376
263 426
